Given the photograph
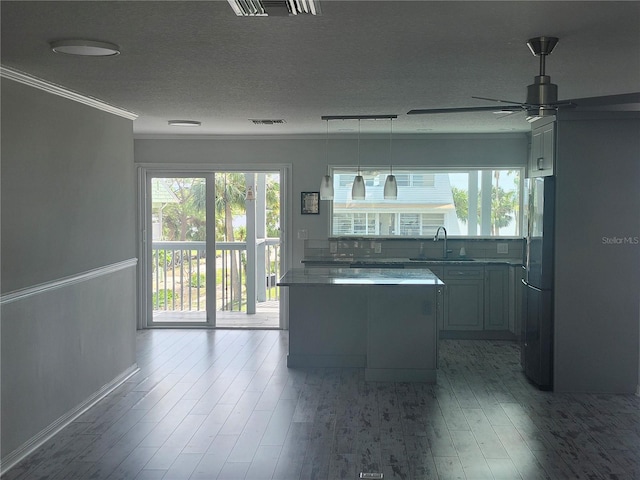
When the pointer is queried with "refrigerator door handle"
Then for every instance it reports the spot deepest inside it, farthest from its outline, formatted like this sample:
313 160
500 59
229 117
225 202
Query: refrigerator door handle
531 286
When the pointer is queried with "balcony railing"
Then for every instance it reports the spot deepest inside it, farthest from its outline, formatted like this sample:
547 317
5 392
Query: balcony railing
179 276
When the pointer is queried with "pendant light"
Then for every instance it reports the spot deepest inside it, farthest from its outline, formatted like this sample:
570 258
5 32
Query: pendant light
390 184
358 190
326 186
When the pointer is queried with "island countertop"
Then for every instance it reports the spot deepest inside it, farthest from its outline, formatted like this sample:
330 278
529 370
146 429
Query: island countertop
327 276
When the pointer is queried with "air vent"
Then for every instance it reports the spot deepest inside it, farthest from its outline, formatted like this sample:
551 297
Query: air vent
274 8
267 121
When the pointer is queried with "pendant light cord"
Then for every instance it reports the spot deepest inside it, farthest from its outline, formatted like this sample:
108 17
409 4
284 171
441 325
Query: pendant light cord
391 146
326 147
358 146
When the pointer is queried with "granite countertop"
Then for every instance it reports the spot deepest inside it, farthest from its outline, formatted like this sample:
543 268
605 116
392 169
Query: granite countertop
408 261
358 276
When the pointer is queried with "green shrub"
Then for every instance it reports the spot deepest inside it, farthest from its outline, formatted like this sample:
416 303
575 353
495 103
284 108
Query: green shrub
158 299
198 280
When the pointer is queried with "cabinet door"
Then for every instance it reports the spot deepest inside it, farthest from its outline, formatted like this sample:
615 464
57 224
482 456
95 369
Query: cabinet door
542 150
463 304
401 328
496 297
536 160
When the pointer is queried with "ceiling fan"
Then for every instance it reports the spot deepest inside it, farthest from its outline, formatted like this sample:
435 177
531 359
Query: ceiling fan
542 95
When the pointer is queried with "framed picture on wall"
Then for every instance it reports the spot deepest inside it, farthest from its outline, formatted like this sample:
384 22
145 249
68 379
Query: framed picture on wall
310 203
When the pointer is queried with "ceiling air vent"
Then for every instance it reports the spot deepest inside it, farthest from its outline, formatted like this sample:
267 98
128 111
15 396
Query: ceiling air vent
257 121
274 8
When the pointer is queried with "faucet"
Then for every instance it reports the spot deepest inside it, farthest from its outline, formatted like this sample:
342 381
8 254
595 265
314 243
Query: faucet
445 252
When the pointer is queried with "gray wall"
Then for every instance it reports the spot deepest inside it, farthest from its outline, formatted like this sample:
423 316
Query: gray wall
309 157
597 300
68 207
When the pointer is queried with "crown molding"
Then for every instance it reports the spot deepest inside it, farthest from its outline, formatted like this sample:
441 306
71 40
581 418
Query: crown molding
54 89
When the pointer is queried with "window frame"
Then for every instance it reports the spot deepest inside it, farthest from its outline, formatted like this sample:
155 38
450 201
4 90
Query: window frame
482 174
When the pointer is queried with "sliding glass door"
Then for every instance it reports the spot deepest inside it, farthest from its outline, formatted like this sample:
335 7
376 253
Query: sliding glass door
179 267
212 249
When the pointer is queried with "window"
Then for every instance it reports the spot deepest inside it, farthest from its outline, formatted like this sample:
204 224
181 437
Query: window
467 202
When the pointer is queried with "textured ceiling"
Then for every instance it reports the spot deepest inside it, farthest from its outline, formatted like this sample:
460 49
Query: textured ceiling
197 60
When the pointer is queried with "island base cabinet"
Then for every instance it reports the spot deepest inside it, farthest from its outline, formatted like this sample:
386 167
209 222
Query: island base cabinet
327 327
391 331
402 334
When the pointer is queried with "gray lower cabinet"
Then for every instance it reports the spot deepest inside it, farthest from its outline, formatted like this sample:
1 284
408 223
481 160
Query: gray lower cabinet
463 298
496 297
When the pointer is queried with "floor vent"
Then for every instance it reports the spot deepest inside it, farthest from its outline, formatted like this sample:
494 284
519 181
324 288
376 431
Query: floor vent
372 475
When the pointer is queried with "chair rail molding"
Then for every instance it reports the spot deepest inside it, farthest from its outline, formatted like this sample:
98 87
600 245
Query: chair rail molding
65 281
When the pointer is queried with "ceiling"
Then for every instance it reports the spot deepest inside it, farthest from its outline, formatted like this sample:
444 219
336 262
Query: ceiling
197 60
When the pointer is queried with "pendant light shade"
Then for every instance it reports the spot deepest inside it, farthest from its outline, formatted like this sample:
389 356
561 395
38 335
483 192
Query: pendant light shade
326 188
326 185
358 190
390 184
391 188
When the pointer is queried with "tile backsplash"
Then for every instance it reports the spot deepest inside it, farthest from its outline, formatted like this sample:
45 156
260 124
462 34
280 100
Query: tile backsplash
507 248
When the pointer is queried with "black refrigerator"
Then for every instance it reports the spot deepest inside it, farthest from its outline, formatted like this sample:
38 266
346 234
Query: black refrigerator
537 315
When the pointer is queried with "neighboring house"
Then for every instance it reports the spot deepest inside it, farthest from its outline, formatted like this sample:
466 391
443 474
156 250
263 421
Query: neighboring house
424 203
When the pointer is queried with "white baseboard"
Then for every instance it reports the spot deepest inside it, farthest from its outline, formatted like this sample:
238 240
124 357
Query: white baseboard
35 442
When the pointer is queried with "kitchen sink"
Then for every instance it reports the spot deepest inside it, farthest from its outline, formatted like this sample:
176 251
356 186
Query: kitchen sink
430 259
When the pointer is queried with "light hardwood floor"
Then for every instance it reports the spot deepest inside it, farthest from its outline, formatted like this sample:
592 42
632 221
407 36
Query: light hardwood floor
223 405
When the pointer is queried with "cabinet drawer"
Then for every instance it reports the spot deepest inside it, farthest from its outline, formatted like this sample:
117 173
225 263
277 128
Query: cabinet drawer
463 272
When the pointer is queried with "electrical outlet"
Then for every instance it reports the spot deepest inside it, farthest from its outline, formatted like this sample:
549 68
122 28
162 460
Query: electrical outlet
503 248
333 247
377 247
303 234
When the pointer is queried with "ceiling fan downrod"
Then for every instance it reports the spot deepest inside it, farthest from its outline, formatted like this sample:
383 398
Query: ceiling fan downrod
542 94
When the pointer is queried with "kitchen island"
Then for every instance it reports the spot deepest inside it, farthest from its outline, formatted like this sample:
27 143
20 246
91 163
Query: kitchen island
383 320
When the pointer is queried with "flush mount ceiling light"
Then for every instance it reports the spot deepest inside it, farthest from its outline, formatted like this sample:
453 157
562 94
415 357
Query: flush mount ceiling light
184 123
85 48
277 8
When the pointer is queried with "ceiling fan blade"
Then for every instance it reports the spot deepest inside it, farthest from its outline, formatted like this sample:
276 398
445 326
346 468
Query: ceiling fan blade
494 108
498 100
607 100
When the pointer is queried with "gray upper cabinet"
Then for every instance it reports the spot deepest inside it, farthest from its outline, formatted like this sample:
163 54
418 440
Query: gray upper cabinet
541 161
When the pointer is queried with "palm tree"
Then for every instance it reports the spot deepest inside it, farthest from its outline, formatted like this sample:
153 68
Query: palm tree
504 204
230 198
182 219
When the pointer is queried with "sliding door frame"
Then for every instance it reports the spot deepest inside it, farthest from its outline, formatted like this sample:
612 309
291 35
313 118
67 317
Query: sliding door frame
146 172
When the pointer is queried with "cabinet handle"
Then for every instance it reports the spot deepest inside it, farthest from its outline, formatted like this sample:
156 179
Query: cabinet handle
540 163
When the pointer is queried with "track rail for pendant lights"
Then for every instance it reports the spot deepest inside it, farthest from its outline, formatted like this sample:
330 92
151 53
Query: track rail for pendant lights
358 190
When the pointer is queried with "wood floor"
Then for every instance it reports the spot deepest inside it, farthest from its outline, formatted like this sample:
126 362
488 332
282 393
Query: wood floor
223 405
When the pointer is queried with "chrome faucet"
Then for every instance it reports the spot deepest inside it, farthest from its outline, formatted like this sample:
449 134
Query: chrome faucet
435 239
